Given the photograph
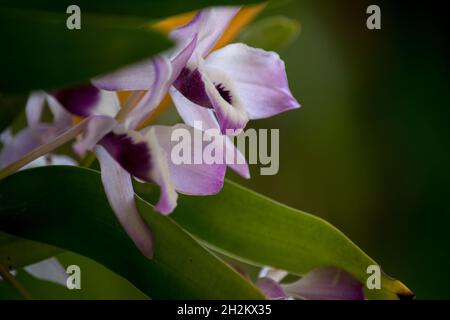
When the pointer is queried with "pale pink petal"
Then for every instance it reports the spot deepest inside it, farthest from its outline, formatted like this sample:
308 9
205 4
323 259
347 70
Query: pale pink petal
26 141
190 178
139 76
120 194
48 270
259 79
142 156
153 97
96 128
34 107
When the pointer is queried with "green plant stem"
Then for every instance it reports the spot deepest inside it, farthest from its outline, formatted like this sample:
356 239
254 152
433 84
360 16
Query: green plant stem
12 281
88 160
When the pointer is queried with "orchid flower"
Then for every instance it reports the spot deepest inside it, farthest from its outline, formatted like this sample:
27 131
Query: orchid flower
234 84
326 283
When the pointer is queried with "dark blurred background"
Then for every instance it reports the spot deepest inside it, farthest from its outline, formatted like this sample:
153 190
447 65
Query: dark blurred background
369 149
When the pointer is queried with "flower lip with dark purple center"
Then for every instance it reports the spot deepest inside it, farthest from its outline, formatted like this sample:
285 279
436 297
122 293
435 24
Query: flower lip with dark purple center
79 100
190 85
133 156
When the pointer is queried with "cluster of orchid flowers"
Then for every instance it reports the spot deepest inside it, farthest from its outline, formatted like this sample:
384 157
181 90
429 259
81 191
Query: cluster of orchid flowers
221 90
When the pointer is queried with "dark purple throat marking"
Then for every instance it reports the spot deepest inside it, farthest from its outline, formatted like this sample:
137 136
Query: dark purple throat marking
80 100
224 93
190 85
133 157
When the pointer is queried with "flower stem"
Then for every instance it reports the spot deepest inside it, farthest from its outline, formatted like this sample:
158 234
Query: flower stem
129 104
42 150
9 278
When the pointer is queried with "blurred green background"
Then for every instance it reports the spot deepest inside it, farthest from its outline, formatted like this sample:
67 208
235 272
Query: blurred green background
369 149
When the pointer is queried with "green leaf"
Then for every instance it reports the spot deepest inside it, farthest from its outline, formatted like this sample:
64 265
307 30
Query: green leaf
10 108
142 8
255 229
97 282
12 251
272 33
40 52
66 207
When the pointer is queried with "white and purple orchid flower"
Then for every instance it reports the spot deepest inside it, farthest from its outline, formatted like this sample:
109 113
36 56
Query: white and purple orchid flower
221 90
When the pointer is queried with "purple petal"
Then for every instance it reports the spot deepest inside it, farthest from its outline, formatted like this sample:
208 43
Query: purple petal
87 100
225 99
208 25
211 88
326 283
191 178
161 175
181 58
152 98
259 78
120 194
49 270
139 76
97 127
191 86
271 289
34 107
143 157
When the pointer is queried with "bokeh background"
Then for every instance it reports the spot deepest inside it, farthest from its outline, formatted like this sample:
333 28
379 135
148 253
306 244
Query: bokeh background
369 150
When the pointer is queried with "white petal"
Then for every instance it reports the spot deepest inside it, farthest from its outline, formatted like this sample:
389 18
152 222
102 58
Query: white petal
259 78
34 107
120 193
191 178
49 270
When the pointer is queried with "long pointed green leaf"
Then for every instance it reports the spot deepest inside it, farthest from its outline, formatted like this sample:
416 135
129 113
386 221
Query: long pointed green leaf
141 8
66 207
12 251
40 52
246 225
